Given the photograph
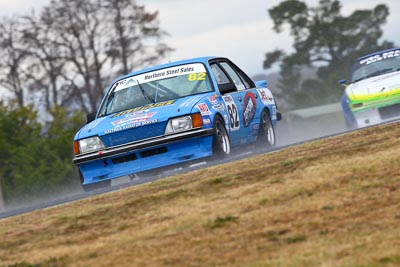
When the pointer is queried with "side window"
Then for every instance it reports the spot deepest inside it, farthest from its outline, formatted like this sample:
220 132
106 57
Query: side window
247 82
234 76
219 74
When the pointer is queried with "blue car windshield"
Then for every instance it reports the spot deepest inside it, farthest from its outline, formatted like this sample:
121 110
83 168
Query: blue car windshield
156 86
376 65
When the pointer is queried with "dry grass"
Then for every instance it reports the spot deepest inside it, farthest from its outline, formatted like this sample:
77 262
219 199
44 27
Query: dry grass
334 202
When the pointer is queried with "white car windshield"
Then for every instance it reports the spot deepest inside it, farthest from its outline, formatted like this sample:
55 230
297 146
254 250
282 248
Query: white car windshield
156 86
376 65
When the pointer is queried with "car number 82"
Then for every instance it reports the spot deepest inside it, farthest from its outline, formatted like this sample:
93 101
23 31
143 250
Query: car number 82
234 121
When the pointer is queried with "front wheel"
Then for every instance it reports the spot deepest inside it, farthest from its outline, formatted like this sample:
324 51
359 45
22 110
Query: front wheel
266 135
221 142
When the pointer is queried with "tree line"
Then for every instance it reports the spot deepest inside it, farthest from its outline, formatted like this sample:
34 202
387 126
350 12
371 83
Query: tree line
67 54
35 158
324 41
55 66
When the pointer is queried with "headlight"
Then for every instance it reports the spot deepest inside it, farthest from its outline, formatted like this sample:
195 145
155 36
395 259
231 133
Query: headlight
184 123
88 145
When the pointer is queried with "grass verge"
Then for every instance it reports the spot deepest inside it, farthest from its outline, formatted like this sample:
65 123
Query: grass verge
334 202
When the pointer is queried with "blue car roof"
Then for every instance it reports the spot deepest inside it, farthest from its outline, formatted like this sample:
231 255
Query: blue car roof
170 64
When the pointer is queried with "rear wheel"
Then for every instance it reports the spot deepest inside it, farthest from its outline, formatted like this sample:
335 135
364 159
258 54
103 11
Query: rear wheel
221 142
266 135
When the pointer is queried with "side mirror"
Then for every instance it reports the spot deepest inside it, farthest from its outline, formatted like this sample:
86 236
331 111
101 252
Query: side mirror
261 83
90 117
226 88
278 116
342 82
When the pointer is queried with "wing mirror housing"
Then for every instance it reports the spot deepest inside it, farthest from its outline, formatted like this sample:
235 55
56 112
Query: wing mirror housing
278 116
342 82
90 117
226 88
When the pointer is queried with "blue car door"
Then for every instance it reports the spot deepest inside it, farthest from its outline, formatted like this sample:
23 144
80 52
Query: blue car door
241 103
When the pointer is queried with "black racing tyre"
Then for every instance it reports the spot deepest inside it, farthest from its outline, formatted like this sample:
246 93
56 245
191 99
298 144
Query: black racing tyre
266 134
221 142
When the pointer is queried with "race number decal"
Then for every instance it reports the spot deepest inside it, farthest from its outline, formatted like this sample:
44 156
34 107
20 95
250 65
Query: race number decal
233 113
197 76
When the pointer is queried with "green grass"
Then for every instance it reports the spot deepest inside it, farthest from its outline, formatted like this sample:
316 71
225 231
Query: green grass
333 202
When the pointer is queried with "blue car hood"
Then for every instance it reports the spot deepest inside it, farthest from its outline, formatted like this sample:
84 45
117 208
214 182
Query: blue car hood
139 123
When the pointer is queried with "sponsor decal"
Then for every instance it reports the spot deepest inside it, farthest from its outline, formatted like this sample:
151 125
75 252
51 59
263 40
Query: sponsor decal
240 87
218 106
130 126
135 117
206 120
130 82
263 95
154 105
266 96
249 108
174 71
256 129
162 74
213 99
204 110
226 118
379 57
228 98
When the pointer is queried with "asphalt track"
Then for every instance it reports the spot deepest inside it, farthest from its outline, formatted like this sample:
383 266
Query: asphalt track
302 137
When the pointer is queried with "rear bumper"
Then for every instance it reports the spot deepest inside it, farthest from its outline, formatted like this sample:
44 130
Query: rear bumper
148 154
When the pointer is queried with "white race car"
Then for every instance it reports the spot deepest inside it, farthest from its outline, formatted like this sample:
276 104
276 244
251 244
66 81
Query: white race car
373 94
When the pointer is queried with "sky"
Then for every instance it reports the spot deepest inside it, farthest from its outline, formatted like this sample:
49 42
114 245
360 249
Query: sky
239 30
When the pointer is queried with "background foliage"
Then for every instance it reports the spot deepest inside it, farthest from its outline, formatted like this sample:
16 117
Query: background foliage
56 66
68 53
35 161
324 42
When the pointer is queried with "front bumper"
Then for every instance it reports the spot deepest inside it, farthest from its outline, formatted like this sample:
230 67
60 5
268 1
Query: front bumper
374 116
376 110
144 155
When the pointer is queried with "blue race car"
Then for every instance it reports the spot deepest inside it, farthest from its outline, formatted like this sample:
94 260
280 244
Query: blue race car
172 114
